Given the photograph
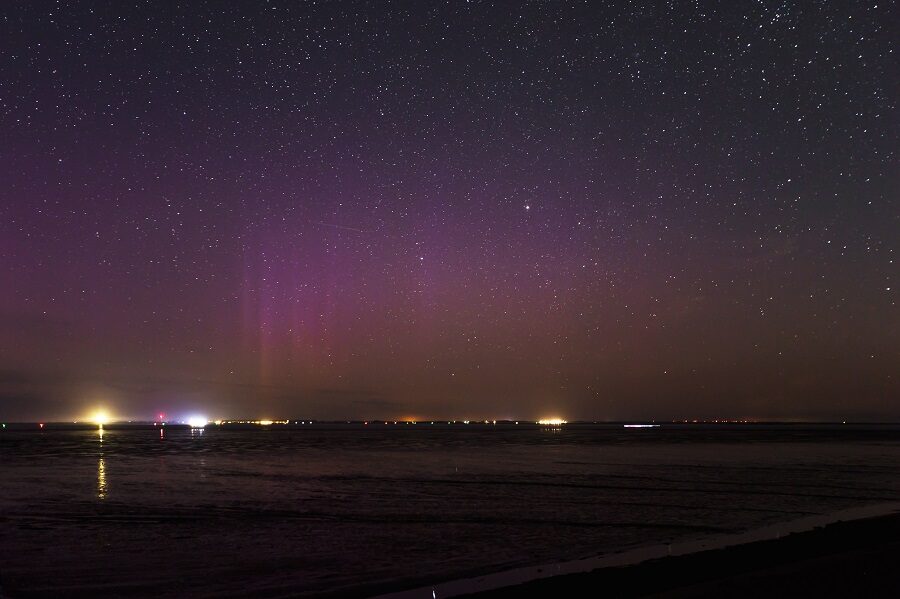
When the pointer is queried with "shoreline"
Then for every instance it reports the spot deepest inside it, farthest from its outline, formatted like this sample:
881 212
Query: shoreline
771 558
548 576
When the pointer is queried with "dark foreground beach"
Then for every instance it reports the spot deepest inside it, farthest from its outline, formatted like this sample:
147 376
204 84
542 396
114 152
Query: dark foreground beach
844 559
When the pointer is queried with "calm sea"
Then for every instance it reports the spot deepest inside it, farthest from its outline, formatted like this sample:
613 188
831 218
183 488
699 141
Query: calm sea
278 511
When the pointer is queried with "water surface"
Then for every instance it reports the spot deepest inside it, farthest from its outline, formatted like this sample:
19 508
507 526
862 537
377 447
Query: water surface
303 510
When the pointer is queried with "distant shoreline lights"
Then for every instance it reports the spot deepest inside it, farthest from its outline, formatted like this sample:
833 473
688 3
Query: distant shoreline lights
197 421
100 417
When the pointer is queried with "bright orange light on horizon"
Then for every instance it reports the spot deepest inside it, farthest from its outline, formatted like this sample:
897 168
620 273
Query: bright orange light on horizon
552 421
100 417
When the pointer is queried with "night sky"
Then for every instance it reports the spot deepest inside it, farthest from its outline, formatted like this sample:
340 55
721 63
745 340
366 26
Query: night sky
449 210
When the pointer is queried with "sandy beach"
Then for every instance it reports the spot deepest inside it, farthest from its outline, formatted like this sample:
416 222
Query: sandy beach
845 559
855 558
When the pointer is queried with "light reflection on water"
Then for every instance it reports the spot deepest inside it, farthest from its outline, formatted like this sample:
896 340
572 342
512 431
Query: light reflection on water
101 468
101 479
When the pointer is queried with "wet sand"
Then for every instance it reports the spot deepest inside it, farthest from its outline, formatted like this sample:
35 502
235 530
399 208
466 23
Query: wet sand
846 559
857 558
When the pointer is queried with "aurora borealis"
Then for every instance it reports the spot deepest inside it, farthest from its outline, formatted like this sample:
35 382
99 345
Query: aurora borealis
447 210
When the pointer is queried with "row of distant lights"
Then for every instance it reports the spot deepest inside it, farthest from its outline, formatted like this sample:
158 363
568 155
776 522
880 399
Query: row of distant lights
200 422
101 418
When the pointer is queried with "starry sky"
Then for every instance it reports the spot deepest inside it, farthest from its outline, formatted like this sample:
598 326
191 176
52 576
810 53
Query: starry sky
598 210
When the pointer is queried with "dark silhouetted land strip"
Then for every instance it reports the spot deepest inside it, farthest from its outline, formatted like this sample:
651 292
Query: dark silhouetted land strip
845 559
